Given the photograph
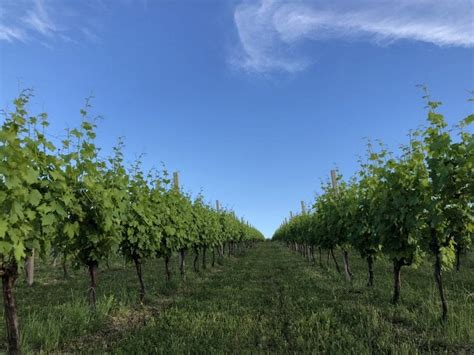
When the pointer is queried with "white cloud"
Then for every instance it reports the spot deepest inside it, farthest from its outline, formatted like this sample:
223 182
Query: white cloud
21 20
38 19
11 33
270 31
42 21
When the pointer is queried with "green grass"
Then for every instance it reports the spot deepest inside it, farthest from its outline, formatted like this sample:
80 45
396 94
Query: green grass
269 300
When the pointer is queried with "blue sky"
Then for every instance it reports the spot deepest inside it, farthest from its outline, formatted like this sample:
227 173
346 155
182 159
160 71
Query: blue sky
252 101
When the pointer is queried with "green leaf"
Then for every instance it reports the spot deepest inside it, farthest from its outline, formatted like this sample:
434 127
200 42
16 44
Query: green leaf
12 182
35 197
30 175
48 219
70 229
19 251
468 120
170 231
5 247
3 228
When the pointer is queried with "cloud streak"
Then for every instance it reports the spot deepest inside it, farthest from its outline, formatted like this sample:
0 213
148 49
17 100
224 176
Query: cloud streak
271 32
11 33
20 20
40 20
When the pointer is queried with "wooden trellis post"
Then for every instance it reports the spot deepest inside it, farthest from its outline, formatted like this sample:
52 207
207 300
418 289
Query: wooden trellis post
334 179
220 248
30 268
176 181
182 252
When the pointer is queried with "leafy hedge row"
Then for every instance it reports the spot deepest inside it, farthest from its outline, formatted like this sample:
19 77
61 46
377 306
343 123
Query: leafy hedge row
72 203
407 207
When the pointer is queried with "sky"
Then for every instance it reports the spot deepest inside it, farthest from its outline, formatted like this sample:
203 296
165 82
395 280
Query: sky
253 102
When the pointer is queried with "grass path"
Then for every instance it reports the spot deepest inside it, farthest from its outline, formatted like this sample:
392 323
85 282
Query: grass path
268 300
243 308
273 300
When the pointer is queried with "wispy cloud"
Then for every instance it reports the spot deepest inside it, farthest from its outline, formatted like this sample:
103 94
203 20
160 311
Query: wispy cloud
38 19
271 31
43 21
11 33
